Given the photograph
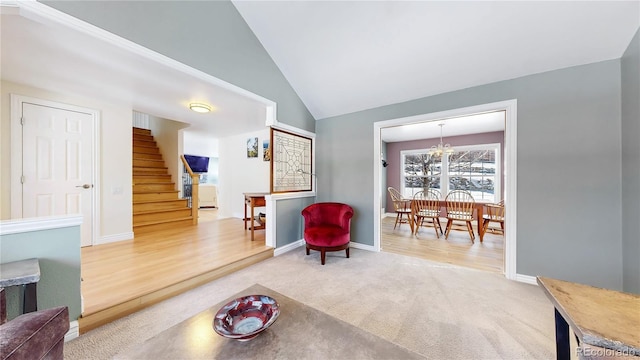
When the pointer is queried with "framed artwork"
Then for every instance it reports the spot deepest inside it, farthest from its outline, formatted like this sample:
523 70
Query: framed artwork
252 147
266 151
291 167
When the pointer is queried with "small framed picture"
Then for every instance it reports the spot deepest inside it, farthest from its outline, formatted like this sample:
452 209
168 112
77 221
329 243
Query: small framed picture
266 151
252 147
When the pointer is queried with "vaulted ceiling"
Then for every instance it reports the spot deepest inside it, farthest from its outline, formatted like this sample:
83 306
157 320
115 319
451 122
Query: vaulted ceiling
339 56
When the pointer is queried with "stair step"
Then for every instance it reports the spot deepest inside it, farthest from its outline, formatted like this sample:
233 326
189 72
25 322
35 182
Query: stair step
145 143
141 156
142 206
149 171
162 225
151 163
152 178
137 130
156 195
145 150
158 215
145 137
151 186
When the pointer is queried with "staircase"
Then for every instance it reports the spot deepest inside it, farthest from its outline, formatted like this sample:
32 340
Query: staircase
156 205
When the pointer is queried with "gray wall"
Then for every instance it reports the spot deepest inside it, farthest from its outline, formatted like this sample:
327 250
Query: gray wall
289 221
568 226
58 251
631 166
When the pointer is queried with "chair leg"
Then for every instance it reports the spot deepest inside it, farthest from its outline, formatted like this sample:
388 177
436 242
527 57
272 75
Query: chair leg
446 232
439 226
396 223
308 251
435 226
470 229
347 249
322 256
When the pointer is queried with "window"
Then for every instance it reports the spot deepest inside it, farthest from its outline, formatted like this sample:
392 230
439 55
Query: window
474 168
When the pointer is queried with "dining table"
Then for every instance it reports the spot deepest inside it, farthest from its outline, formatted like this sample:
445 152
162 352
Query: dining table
479 212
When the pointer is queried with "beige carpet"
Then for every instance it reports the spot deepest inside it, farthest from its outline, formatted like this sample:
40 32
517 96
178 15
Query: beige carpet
436 310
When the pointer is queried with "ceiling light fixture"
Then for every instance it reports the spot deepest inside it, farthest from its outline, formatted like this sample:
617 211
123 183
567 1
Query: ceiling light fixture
200 107
441 148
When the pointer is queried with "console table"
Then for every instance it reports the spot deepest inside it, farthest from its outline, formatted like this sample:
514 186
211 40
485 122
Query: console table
606 319
25 273
253 200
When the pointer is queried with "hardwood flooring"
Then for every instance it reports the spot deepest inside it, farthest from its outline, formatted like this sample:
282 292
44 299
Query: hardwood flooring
457 250
126 276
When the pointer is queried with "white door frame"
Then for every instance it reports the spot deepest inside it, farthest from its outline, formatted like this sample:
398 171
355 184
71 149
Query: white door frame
16 156
510 170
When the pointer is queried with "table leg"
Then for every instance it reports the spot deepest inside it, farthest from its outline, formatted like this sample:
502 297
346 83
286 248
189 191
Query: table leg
30 298
563 351
252 224
480 225
245 214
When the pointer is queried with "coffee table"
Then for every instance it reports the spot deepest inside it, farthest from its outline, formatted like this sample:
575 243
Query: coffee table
301 332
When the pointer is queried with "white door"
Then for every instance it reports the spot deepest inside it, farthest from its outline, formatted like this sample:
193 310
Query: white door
57 164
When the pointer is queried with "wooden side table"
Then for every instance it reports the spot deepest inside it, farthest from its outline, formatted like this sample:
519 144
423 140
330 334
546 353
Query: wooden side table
253 200
600 318
25 273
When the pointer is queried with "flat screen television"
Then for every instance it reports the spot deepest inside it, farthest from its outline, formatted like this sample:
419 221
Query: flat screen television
198 164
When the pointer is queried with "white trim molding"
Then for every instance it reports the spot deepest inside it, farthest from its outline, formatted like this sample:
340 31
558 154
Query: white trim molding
114 238
285 249
510 169
74 331
17 226
356 245
527 279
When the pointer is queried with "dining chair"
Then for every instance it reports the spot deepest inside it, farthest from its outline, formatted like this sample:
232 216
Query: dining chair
426 205
495 213
401 206
460 206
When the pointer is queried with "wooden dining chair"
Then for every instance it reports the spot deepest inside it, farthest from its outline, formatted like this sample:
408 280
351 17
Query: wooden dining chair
495 213
426 205
460 206
401 206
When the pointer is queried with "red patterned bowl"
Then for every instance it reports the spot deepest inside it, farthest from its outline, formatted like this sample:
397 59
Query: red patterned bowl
245 317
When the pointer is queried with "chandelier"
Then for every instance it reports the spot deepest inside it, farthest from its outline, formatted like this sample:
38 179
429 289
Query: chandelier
440 149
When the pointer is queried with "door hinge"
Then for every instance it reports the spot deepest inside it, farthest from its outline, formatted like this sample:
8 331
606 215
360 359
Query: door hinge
22 121
22 179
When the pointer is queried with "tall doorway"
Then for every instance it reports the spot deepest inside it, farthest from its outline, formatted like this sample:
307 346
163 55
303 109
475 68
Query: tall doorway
508 171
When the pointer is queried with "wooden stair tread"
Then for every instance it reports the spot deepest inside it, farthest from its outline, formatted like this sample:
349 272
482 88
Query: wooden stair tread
144 212
155 191
147 223
156 201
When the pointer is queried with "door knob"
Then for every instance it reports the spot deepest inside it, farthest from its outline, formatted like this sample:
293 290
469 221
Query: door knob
85 186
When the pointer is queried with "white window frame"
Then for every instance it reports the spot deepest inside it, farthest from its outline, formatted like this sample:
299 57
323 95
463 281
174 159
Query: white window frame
444 176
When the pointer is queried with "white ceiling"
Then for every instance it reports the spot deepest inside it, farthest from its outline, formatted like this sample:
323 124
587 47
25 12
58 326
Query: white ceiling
346 56
54 57
339 56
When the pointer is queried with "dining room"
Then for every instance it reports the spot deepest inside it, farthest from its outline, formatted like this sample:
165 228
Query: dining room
426 164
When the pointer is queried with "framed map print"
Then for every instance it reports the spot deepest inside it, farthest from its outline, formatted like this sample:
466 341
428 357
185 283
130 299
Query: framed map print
291 167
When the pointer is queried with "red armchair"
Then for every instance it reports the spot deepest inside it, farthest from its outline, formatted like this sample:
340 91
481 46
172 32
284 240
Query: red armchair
327 227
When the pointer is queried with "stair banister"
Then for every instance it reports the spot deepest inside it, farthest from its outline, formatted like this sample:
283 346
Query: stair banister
195 181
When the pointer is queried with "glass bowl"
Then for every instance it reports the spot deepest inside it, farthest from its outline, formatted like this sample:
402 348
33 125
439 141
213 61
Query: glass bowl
246 317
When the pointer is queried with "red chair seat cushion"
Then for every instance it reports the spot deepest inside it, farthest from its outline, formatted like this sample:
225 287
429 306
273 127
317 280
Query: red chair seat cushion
326 235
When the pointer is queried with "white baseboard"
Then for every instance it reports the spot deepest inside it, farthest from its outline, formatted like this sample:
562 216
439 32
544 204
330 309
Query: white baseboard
356 245
288 247
74 331
527 279
388 215
114 238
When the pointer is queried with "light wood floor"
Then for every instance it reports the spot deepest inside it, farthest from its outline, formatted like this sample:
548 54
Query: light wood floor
123 277
457 250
